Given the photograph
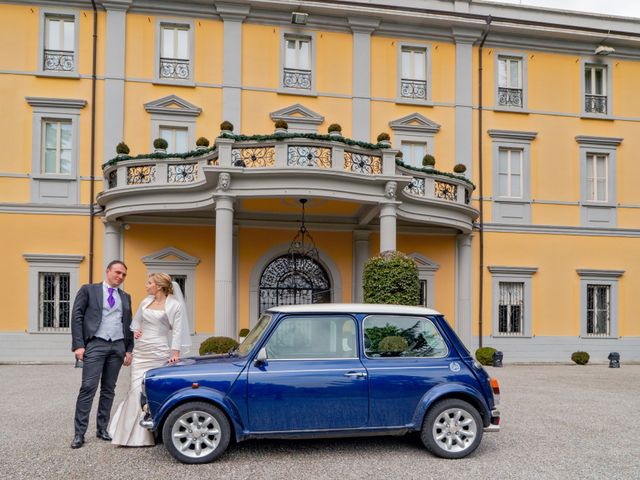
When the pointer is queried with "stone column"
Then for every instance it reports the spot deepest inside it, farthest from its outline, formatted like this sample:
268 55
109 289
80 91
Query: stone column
387 227
232 15
112 244
361 252
464 96
224 321
463 288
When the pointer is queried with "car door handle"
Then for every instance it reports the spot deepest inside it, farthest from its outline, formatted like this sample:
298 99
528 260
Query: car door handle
355 374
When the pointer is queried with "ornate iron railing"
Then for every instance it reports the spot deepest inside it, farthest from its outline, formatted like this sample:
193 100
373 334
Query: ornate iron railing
59 60
308 156
141 174
362 163
413 89
445 191
174 68
416 187
253 157
112 180
595 103
294 78
510 97
182 172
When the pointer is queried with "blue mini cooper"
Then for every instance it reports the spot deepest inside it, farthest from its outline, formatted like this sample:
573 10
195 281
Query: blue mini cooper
327 370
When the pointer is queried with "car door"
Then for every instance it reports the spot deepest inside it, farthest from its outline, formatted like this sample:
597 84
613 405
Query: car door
405 356
312 378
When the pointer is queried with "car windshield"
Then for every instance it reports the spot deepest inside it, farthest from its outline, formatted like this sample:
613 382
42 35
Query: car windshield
254 335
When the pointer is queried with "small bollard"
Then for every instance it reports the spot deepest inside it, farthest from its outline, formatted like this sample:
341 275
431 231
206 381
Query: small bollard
497 359
614 360
79 363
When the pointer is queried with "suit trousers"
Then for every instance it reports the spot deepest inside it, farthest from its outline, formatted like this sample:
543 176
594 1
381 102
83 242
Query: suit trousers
102 362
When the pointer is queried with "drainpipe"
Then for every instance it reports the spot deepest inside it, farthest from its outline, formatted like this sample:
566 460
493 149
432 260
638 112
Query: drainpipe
93 140
480 183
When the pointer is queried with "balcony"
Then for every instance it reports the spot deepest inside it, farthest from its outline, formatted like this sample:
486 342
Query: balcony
59 61
595 104
294 78
413 89
510 97
174 68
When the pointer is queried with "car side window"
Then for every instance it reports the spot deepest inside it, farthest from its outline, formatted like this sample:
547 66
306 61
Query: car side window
325 336
402 336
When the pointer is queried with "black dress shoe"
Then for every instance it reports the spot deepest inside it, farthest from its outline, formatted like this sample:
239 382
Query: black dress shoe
78 441
103 435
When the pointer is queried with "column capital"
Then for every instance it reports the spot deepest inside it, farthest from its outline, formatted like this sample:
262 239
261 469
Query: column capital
388 210
117 5
466 35
232 12
361 235
363 24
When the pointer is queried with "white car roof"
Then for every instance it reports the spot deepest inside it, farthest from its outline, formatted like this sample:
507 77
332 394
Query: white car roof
354 308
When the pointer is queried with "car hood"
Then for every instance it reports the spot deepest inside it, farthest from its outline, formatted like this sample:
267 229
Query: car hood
200 366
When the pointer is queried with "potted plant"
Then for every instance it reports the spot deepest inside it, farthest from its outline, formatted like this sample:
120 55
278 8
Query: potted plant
281 126
160 145
202 143
384 139
335 130
122 149
459 168
429 161
226 127
581 358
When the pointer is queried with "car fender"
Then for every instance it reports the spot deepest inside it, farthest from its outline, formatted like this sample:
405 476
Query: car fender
448 390
210 395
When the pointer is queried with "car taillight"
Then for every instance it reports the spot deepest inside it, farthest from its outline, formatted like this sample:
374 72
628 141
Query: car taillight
495 387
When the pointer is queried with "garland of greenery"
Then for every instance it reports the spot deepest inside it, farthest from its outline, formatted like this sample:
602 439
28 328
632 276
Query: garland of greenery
433 171
158 155
312 136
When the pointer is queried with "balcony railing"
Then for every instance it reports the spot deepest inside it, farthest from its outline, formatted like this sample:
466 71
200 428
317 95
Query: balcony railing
415 89
175 68
595 103
438 187
509 97
59 60
295 78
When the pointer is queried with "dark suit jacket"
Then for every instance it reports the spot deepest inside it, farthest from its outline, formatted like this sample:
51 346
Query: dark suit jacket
87 315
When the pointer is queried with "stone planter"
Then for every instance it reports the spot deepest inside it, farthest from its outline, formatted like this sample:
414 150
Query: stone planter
160 150
280 131
335 133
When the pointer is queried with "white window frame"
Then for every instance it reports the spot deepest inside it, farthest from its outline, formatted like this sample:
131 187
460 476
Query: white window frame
178 24
173 129
50 263
503 285
426 48
297 34
524 73
508 274
596 62
417 162
415 128
58 13
59 122
509 173
608 278
593 179
56 301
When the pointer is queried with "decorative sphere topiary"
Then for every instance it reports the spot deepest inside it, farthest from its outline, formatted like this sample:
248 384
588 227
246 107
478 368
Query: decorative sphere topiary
392 346
384 137
122 149
217 345
399 155
460 168
391 278
244 332
581 358
160 144
485 355
281 124
226 125
202 142
428 160
334 127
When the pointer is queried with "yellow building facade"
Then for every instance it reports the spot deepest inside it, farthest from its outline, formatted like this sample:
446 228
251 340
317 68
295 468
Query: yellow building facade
530 246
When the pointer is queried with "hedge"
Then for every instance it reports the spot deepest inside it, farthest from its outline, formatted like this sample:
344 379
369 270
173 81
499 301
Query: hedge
391 278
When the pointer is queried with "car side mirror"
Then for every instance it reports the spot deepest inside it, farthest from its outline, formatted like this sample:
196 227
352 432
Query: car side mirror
261 358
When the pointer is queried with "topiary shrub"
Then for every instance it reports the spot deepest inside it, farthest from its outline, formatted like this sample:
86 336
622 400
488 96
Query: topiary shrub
384 137
122 149
428 160
217 345
281 124
334 127
392 346
399 155
392 278
459 168
202 142
160 144
581 358
226 126
244 332
485 355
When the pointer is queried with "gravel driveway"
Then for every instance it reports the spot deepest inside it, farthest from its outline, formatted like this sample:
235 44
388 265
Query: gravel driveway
559 422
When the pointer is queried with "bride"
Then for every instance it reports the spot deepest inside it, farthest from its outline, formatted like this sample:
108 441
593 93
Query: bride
161 333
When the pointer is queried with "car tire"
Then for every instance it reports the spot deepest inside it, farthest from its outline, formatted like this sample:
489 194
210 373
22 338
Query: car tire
196 432
452 428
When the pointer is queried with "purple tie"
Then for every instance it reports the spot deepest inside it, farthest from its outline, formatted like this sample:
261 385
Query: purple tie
110 300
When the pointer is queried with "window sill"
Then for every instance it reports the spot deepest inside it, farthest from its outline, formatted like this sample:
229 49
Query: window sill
57 74
174 83
510 337
38 332
500 108
514 201
599 337
586 203
297 91
410 101
61 178
596 116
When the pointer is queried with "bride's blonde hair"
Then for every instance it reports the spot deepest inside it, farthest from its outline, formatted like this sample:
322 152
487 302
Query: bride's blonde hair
163 280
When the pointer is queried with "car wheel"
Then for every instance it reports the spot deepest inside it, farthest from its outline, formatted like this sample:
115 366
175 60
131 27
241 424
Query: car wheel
196 432
452 428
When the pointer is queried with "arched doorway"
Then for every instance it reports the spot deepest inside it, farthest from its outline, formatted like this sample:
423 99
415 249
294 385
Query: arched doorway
293 280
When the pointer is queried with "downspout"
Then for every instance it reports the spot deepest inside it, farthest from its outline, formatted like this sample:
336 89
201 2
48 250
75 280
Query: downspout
93 140
480 184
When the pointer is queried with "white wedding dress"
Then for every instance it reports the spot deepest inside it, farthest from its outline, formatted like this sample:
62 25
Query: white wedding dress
151 350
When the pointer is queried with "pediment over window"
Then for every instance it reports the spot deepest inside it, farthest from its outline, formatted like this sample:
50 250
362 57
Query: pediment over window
299 118
423 263
173 105
170 257
414 123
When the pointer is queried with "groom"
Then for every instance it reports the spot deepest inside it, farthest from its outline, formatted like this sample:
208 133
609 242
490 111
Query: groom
101 338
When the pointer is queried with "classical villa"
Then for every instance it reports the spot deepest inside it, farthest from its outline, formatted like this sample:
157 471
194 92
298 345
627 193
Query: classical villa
525 231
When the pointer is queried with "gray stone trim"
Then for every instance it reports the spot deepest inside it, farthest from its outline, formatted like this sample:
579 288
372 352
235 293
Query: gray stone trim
414 123
591 272
518 275
233 15
427 271
112 243
58 11
54 263
599 277
161 106
55 103
513 135
232 11
426 47
39 209
464 105
299 118
603 214
305 33
463 287
183 22
562 230
600 61
524 65
361 67
164 116
598 141
361 253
